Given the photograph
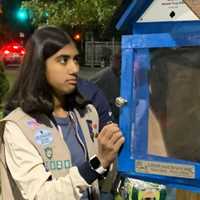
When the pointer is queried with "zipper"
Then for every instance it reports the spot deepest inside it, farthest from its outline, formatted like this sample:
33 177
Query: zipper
60 131
75 122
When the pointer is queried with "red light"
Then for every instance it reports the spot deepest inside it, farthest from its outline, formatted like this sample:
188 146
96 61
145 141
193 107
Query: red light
6 52
15 47
22 52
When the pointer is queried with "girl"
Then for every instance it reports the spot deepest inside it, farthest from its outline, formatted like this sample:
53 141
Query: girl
51 148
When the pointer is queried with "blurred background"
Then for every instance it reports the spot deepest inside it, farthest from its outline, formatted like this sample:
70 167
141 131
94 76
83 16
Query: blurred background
90 22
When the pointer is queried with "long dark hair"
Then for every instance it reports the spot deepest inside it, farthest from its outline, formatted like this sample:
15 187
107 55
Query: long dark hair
31 91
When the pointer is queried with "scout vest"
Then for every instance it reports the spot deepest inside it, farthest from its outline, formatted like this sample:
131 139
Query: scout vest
48 141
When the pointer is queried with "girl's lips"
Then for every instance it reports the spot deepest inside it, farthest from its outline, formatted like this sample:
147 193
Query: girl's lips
72 81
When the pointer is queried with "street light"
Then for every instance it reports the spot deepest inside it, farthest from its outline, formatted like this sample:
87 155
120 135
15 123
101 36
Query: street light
22 14
77 37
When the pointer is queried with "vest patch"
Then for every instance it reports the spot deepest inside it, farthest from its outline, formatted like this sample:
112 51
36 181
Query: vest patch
58 164
94 126
43 137
90 128
48 152
110 114
33 123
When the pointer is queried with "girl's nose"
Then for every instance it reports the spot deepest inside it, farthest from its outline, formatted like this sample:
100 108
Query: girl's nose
74 67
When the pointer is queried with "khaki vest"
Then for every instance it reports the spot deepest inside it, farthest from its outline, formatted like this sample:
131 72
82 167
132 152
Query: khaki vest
49 143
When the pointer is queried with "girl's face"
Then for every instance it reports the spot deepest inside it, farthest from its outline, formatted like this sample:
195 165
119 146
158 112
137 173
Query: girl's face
62 70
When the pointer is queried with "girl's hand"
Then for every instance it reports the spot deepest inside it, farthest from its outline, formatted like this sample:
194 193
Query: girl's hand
110 139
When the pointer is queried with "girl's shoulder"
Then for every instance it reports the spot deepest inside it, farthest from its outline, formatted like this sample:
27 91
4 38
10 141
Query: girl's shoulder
16 114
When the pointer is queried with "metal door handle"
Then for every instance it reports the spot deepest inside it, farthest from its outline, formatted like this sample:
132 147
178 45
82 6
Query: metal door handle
120 101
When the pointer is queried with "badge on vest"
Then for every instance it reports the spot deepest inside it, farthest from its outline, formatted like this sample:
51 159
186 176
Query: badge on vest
48 152
110 114
92 129
43 137
33 123
57 164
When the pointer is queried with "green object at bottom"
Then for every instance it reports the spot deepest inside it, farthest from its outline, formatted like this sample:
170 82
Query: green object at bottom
118 197
136 194
142 195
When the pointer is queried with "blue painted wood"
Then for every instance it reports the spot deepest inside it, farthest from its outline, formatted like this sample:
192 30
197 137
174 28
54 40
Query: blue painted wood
164 27
159 40
128 24
134 87
131 15
126 117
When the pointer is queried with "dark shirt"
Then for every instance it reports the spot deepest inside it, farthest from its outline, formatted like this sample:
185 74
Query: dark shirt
71 139
90 91
71 133
109 83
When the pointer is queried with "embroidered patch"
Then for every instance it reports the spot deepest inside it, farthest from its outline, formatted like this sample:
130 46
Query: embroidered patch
49 152
92 127
89 109
33 123
43 137
58 164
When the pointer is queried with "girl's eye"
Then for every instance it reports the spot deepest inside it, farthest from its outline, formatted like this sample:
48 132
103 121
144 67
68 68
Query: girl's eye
77 58
63 60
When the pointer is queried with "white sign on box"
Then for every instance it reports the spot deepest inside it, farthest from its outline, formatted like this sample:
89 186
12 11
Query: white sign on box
168 10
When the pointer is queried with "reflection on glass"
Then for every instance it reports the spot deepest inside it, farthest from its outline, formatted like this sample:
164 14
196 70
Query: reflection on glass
174 115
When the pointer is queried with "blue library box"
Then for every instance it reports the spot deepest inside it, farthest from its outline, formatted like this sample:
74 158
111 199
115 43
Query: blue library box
160 92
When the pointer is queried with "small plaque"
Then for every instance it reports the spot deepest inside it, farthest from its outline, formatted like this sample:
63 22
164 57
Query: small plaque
194 6
165 169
